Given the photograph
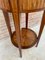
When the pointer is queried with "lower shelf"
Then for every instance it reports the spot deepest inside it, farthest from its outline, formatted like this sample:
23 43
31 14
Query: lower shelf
28 38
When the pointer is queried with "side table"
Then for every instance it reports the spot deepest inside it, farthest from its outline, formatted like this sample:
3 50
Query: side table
25 37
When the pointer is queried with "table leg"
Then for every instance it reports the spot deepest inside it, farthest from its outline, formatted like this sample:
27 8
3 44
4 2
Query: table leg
7 20
14 6
17 28
41 28
26 20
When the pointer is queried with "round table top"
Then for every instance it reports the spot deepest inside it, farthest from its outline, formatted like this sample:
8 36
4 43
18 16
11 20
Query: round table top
32 5
24 5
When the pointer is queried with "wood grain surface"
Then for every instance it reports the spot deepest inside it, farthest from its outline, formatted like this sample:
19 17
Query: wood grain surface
31 4
28 38
24 5
4 4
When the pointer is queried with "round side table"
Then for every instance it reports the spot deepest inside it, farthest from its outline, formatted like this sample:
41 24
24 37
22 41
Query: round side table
23 38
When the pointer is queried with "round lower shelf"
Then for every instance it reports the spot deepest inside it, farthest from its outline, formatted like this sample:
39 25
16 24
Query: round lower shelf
28 38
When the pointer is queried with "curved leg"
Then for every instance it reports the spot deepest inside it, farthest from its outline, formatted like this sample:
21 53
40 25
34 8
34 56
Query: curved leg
7 20
26 20
41 28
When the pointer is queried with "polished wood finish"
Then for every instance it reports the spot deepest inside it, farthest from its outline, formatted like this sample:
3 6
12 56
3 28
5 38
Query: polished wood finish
4 5
16 7
31 5
16 22
24 5
28 38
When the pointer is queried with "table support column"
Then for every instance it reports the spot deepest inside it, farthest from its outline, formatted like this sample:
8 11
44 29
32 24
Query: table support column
26 20
7 20
41 29
17 28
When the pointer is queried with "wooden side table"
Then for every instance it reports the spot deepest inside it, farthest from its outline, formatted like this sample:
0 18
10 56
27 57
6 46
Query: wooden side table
23 38
26 37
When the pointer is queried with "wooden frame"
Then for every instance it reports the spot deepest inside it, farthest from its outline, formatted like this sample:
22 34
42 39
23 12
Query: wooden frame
16 8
